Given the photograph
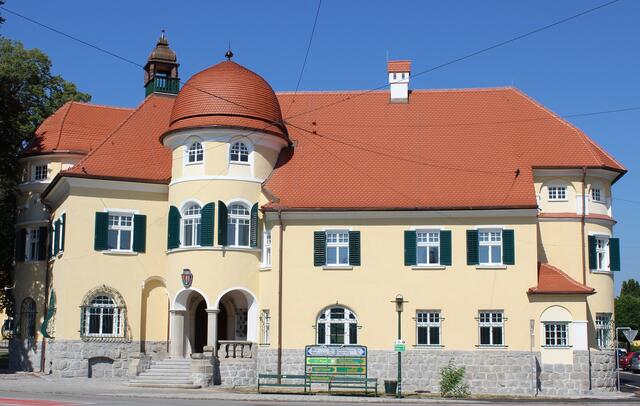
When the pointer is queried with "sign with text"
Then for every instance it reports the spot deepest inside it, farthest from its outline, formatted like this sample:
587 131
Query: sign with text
325 362
400 346
336 351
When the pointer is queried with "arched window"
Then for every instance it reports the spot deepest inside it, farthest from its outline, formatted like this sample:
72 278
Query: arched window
103 317
239 152
28 318
195 153
191 225
337 325
239 225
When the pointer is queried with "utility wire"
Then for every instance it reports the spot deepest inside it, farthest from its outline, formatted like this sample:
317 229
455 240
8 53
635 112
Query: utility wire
464 57
306 56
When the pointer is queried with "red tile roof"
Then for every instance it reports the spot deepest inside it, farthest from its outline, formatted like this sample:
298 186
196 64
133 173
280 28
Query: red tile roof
445 149
76 127
398 66
220 94
551 280
132 151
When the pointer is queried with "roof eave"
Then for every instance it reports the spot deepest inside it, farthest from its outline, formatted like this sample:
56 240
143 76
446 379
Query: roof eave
416 208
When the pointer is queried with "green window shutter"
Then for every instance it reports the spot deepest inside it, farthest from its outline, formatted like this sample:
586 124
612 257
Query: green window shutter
206 227
593 258
472 247
50 240
21 242
42 243
173 228
445 247
56 237
222 223
101 232
319 248
409 247
139 233
354 248
253 235
508 247
64 230
614 254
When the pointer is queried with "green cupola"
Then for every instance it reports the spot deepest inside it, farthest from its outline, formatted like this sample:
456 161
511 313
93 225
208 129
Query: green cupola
161 70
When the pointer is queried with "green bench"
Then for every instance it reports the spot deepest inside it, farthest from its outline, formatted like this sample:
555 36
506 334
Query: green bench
290 381
354 383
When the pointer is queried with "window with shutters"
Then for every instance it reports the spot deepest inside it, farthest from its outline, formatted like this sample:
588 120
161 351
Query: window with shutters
238 225
602 253
337 325
490 247
556 334
32 244
557 193
428 325
337 250
239 153
491 325
120 232
28 319
195 153
266 249
40 172
603 330
191 219
428 247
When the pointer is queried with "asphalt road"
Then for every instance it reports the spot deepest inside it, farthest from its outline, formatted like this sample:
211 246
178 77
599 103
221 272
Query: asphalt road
629 382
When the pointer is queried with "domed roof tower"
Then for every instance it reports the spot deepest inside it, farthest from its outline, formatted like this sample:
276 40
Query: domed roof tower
161 69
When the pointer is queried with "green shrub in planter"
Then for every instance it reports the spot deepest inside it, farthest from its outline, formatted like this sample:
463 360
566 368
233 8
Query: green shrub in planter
452 384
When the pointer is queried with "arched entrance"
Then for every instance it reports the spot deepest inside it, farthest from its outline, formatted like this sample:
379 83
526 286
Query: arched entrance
189 324
237 316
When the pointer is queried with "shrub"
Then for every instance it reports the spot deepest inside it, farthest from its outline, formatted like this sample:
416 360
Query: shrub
452 384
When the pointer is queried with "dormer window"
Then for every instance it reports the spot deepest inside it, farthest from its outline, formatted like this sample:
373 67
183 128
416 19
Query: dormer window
41 172
239 153
195 153
557 193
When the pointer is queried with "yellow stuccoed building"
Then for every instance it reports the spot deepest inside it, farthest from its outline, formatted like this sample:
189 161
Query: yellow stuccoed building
218 228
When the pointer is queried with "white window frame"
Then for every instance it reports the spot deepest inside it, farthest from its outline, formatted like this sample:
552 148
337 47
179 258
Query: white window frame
33 238
554 193
336 245
349 322
118 228
556 334
429 319
193 152
596 194
38 174
98 309
603 330
489 322
187 217
491 243
233 221
602 253
240 153
266 248
427 242
265 324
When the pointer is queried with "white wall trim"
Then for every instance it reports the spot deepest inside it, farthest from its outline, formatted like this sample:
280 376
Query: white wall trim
187 201
178 137
179 301
215 177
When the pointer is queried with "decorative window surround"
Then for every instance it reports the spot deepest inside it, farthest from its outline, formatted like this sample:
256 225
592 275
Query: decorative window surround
337 325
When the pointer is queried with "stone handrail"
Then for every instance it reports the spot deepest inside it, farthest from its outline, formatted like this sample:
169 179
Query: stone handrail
234 349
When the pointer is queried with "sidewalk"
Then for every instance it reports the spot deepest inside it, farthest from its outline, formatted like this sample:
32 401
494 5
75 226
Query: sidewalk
35 383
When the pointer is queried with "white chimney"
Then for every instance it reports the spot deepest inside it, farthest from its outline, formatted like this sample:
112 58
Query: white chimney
399 72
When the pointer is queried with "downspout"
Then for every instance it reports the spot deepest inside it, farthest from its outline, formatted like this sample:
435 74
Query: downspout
280 250
46 284
584 262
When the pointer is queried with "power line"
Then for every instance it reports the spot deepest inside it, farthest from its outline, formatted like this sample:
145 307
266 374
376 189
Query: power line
467 56
304 63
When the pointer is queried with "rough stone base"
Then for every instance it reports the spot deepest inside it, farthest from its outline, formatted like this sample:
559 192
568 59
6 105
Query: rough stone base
100 359
487 371
24 355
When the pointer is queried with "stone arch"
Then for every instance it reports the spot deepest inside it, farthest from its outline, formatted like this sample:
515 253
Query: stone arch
181 299
556 313
252 309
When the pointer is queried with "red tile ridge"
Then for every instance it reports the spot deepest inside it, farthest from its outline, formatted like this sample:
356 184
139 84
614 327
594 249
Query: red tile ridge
564 284
443 90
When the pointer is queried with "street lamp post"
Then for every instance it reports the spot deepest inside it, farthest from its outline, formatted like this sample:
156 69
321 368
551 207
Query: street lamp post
399 301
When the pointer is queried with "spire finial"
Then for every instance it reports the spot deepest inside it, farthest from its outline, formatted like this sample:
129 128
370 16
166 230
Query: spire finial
229 54
162 34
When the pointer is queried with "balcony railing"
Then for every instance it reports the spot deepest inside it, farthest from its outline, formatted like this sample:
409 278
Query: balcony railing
234 349
160 84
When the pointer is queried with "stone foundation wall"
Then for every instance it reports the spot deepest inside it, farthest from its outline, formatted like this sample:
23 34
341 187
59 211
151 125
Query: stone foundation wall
24 355
487 371
98 359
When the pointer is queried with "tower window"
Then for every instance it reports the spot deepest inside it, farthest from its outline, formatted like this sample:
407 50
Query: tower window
195 153
191 219
239 153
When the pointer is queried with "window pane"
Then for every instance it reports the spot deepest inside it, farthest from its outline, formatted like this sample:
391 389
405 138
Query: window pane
321 333
125 239
497 335
485 335
496 254
94 323
244 235
344 255
421 255
423 335
337 313
337 333
188 233
332 255
434 332
353 333
433 255
484 254
112 239
107 321
231 233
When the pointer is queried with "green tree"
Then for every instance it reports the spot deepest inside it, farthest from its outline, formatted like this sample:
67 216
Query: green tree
631 288
628 311
29 93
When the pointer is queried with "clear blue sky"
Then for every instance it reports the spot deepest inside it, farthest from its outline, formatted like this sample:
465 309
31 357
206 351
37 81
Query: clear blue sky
586 65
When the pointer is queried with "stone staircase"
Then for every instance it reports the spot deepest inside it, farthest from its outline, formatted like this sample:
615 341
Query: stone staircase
168 373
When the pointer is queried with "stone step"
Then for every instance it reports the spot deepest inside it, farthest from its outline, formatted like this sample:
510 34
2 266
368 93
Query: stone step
164 385
170 379
169 370
164 375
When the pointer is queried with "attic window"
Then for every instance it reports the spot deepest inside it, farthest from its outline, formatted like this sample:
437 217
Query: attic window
239 153
41 172
195 153
557 193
